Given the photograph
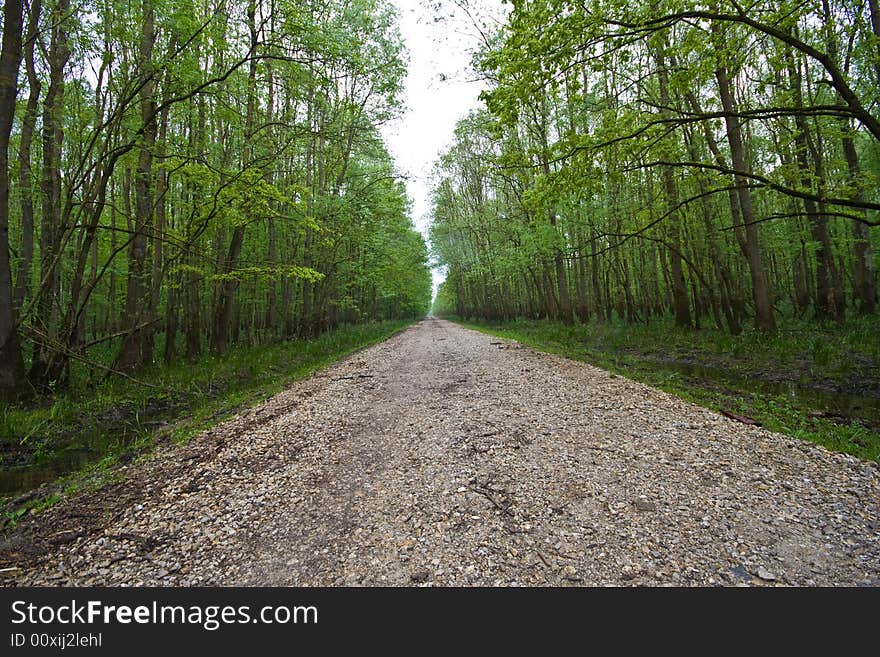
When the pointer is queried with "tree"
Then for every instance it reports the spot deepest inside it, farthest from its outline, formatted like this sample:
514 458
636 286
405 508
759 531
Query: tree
11 362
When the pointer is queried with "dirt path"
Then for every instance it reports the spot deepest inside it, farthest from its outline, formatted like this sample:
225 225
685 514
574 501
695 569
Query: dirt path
448 457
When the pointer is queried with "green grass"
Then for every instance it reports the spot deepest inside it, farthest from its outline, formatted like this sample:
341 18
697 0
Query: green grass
120 417
750 374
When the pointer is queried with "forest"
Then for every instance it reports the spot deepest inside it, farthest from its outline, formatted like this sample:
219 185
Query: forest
178 179
459 293
715 162
198 205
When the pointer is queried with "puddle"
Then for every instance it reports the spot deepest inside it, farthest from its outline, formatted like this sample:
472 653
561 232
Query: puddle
77 452
843 404
19 479
111 432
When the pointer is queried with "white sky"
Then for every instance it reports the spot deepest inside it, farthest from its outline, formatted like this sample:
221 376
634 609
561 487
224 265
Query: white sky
440 89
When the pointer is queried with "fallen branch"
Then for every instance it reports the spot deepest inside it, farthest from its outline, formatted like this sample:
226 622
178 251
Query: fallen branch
70 353
67 536
495 503
744 419
121 334
145 543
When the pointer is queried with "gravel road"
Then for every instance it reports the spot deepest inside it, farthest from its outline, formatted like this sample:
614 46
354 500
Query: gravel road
446 457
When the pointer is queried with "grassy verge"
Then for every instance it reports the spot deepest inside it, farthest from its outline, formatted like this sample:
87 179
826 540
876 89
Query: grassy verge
787 381
77 438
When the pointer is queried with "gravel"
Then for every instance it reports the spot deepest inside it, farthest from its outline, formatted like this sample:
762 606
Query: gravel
445 457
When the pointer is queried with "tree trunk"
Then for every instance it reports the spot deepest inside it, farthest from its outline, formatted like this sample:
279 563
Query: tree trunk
826 275
722 273
680 304
157 274
11 361
594 277
874 6
564 299
193 317
800 277
137 346
864 276
764 320
47 364
272 300
28 124
225 304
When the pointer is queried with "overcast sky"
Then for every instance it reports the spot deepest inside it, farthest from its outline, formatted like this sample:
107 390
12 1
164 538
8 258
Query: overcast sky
440 89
